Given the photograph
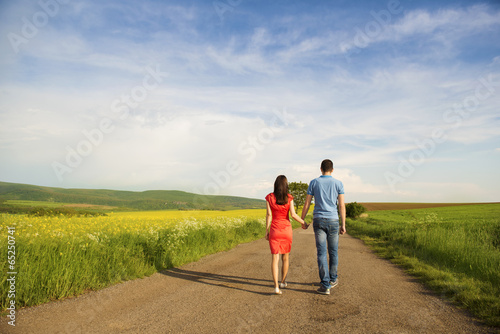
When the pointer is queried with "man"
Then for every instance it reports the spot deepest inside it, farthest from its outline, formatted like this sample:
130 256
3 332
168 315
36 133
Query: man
328 196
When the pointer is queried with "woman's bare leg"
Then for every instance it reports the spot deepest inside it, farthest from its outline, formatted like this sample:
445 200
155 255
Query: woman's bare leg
274 269
285 258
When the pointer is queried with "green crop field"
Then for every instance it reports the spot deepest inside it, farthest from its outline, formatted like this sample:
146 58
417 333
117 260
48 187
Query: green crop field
35 203
454 250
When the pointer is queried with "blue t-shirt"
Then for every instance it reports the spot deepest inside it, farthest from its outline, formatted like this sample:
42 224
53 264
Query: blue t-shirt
325 190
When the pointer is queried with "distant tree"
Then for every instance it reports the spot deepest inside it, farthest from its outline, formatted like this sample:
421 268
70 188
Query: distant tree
354 210
299 193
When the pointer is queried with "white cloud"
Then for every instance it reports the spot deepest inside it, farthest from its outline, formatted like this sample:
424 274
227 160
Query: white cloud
353 183
444 25
477 129
223 85
435 192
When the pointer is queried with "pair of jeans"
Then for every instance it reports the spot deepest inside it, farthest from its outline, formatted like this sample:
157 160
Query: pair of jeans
326 233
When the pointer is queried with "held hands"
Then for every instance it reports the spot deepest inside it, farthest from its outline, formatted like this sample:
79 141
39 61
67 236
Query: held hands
342 229
304 225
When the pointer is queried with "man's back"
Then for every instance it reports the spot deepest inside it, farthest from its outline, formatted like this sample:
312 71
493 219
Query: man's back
325 190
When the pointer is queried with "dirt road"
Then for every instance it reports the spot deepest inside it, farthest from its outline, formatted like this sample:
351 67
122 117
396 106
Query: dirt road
231 292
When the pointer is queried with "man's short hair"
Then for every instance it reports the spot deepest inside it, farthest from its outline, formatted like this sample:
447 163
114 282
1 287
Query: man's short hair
327 165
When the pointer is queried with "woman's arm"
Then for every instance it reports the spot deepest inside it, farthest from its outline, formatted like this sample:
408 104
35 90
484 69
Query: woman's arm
294 215
269 217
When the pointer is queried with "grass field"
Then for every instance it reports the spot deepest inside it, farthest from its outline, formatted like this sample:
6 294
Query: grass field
61 256
375 206
454 250
47 204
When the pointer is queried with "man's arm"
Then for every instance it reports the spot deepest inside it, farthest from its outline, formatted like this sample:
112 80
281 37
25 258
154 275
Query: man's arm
341 205
307 204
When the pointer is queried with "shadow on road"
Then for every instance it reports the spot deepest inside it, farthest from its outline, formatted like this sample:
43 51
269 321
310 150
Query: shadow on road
228 281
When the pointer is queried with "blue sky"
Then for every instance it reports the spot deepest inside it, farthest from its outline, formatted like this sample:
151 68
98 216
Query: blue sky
221 97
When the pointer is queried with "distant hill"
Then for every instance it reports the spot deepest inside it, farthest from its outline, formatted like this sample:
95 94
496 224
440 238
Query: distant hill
145 200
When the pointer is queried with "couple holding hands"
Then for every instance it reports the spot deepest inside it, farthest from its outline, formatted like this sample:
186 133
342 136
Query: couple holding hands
329 208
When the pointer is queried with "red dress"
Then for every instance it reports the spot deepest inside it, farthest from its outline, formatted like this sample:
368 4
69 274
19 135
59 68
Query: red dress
280 234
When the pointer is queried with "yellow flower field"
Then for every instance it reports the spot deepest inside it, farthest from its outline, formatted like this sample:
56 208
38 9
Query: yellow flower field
115 223
61 256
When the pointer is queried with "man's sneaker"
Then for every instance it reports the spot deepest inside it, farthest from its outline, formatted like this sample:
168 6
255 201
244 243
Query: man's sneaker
334 283
322 290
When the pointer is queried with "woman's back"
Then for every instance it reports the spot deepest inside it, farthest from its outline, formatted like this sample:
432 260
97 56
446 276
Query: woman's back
280 212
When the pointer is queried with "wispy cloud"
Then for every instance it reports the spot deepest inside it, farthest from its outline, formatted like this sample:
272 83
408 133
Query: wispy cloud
443 26
225 80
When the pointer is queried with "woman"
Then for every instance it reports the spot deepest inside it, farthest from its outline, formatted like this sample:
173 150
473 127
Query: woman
279 228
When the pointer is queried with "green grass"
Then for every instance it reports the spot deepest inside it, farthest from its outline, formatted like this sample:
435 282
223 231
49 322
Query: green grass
44 204
454 250
48 208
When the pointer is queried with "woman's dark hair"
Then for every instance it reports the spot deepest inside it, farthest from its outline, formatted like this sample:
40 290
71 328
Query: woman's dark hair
281 190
